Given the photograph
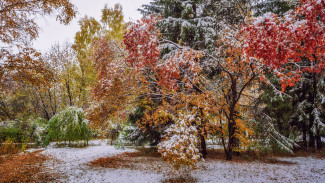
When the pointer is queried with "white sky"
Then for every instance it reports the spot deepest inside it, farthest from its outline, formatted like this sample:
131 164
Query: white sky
53 32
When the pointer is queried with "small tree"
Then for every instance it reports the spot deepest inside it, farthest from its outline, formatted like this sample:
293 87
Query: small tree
68 125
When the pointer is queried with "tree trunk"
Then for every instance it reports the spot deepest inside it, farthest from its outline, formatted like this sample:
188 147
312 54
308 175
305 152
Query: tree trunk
236 145
311 143
318 142
203 149
67 85
304 136
312 95
232 140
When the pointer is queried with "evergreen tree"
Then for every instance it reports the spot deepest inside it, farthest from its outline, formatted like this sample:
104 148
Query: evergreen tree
275 6
191 22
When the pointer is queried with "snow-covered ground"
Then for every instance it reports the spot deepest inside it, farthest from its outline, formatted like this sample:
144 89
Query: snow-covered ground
308 170
72 164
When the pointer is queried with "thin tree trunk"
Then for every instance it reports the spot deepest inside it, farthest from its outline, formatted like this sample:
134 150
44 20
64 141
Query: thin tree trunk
318 142
231 143
44 108
51 104
304 136
311 143
67 85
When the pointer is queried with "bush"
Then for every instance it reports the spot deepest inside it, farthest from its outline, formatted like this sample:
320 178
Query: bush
9 146
68 126
12 132
37 131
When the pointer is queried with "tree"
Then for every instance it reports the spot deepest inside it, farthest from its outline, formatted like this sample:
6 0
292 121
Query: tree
275 6
20 65
189 22
68 125
180 82
279 109
293 46
111 26
18 29
111 91
17 25
222 100
63 61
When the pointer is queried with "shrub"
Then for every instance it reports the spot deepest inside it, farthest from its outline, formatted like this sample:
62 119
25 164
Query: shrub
11 132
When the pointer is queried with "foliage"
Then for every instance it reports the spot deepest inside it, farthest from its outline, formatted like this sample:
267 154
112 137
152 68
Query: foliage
68 125
293 46
180 143
18 28
275 6
141 133
87 41
12 133
23 130
190 22
9 147
17 17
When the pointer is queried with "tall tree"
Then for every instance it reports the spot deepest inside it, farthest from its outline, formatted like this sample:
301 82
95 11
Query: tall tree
189 22
111 93
293 46
110 26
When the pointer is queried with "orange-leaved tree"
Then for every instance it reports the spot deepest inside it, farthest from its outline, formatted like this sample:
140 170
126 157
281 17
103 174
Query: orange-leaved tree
18 28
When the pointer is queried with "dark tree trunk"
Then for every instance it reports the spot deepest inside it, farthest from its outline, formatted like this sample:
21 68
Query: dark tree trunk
304 136
313 95
318 142
203 149
232 140
311 143
236 152
69 92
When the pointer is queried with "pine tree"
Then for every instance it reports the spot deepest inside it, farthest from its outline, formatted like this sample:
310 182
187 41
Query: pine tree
190 22
275 6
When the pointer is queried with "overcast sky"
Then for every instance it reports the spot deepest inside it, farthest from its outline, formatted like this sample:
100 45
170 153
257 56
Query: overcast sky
53 32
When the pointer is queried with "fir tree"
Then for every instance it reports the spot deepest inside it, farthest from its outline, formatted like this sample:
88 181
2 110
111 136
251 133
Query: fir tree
191 22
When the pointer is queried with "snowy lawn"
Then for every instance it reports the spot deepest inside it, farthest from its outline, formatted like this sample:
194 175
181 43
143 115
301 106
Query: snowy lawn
74 166
303 169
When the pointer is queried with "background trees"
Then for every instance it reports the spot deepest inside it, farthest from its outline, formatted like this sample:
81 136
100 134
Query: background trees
18 29
22 66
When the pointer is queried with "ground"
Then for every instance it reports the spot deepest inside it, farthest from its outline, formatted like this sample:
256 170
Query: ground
103 163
